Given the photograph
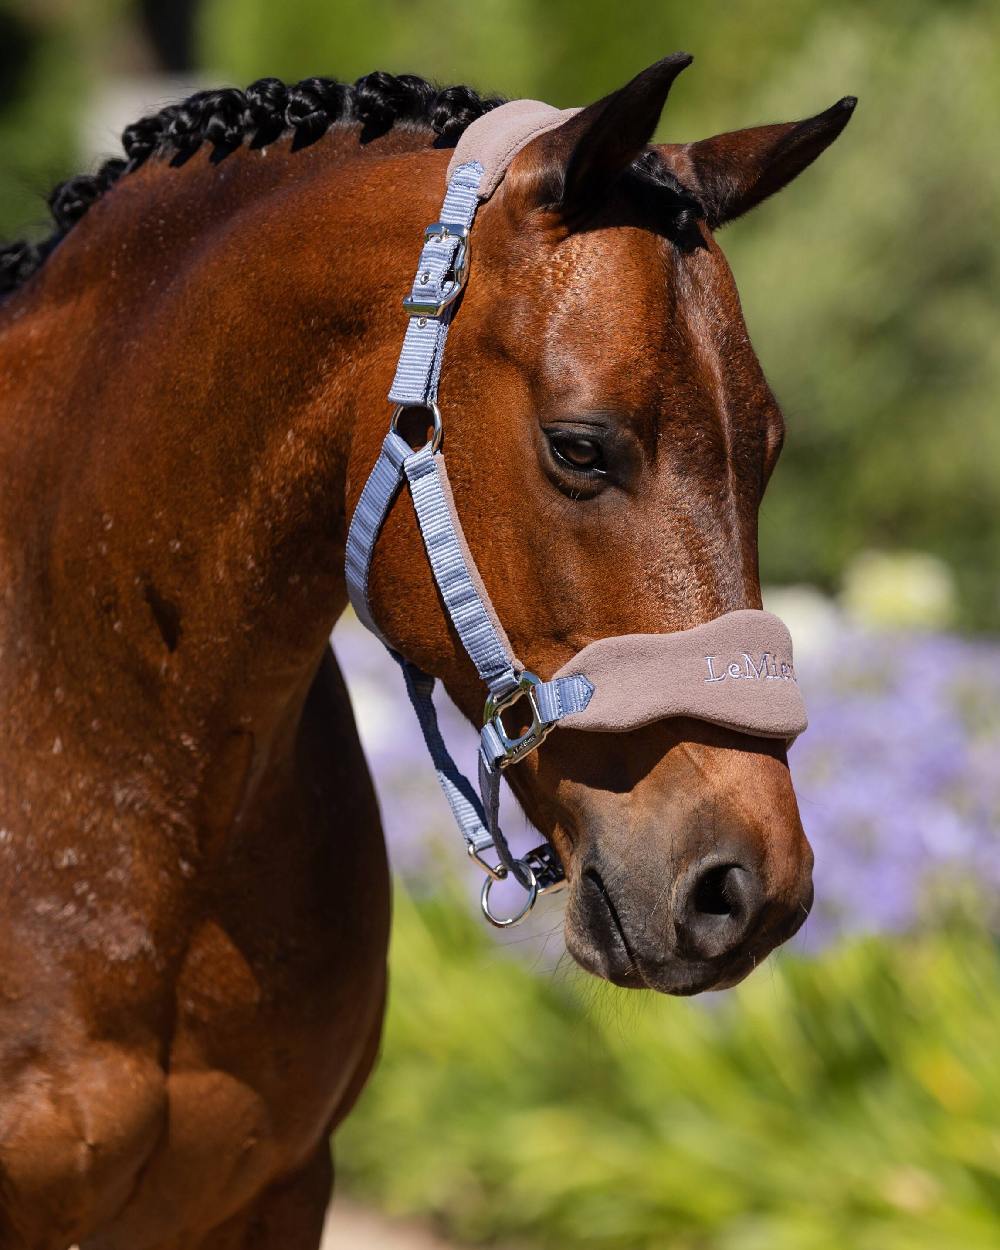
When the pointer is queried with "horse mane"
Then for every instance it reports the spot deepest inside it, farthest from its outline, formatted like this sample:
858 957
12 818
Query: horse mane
266 111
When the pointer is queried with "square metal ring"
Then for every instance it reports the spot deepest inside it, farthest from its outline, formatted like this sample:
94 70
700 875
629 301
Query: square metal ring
517 747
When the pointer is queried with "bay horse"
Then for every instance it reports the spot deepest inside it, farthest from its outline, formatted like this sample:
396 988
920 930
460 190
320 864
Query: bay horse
195 899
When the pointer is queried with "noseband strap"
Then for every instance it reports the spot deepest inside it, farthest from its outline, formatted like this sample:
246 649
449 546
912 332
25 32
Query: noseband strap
734 671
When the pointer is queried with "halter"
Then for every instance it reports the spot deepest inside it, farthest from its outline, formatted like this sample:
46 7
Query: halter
735 671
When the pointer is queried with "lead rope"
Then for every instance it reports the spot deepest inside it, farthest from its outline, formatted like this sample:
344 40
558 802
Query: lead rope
441 275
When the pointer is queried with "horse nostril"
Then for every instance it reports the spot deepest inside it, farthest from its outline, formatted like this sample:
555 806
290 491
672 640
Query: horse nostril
719 891
716 911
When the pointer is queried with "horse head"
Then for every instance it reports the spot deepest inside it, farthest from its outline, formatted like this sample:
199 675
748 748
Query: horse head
610 434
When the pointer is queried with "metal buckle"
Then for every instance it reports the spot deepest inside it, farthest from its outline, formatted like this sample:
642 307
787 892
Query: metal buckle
446 230
517 748
545 866
437 430
442 230
497 872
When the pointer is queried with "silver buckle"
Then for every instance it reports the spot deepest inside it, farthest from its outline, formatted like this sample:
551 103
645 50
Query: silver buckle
545 866
517 748
442 230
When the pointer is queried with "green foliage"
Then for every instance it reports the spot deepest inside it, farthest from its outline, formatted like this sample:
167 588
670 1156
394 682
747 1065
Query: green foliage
870 290
490 44
40 89
847 1101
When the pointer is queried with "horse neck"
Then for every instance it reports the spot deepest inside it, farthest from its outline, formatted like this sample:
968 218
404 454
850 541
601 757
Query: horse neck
186 379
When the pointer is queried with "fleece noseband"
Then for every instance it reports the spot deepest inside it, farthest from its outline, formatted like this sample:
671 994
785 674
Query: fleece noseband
734 671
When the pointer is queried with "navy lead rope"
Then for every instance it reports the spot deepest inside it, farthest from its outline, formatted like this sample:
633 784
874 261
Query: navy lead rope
441 275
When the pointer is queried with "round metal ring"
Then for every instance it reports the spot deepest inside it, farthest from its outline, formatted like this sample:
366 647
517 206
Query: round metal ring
502 922
437 430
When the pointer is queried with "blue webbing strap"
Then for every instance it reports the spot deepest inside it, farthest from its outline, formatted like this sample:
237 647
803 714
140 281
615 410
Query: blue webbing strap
462 798
487 650
419 368
416 384
372 508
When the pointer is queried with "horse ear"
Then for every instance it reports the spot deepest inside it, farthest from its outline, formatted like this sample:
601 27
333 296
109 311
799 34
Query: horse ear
732 173
585 155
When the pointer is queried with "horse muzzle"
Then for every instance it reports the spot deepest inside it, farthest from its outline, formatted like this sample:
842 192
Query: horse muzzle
696 879
710 932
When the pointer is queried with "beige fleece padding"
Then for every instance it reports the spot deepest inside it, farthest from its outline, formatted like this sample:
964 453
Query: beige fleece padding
735 671
496 138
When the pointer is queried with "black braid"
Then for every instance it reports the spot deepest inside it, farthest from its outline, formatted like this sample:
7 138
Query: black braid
223 114
18 262
142 138
454 108
264 107
267 110
314 104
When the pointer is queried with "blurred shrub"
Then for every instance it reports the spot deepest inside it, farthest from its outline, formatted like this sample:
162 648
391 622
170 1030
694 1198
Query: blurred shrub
847 1101
901 590
868 290
41 84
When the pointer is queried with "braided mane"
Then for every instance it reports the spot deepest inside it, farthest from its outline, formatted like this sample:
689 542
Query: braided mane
266 111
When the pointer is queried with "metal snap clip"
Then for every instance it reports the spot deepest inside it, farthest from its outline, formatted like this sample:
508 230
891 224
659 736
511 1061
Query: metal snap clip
505 922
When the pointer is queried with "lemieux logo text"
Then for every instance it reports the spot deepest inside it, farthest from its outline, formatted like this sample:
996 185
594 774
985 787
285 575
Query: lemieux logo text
767 668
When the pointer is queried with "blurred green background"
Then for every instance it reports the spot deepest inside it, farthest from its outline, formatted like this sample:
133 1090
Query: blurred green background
847 1098
850 1101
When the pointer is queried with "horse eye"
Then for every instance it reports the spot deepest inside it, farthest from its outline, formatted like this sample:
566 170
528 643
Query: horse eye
579 453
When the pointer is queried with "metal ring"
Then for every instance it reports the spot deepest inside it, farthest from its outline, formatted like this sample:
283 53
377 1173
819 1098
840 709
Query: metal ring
437 431
506 922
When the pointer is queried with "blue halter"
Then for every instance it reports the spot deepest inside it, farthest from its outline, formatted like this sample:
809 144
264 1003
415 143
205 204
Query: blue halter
441 275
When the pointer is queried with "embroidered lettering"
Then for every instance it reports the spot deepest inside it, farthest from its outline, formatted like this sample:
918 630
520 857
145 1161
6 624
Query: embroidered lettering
754 670
762 667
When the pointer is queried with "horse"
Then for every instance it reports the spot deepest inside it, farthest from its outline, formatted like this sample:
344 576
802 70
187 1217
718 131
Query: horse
193 371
